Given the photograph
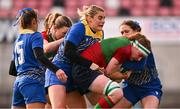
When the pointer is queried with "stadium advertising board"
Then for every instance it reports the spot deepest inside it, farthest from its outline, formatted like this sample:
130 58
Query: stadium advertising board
158 29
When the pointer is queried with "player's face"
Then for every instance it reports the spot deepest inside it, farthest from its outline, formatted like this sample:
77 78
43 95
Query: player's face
60 32
136 54
126 30
97 22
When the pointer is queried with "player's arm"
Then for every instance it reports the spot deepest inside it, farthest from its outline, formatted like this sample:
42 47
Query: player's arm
112 70
12 69
52 46
74 37
72 54
135 66
39 54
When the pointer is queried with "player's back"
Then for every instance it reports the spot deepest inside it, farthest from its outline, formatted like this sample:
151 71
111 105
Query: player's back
23 51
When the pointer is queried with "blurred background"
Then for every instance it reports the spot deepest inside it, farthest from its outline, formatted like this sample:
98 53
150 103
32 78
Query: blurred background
159 19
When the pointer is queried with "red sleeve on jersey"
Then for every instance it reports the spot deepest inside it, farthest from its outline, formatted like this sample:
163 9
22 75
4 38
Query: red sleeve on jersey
123 54
44 34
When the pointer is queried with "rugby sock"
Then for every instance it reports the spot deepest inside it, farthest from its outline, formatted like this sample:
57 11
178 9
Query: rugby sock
104 102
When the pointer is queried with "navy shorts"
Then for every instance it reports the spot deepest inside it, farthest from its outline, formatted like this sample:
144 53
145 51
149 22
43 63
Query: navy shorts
83 77
27 90
134 93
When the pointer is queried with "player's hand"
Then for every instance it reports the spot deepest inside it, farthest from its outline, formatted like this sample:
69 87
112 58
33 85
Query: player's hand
127 74
135 34
102 70
94 66
61 75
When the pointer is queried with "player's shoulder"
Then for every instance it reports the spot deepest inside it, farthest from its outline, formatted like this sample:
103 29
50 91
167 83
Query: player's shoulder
78 26
125 39
37 34
120 40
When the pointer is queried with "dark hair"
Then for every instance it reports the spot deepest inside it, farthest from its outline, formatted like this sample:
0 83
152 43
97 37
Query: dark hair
25 16
133 24
56 19
63 21
142 40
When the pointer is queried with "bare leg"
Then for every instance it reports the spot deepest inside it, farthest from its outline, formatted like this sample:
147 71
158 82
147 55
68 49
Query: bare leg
75 100
150 102
57 95
99 84
48 104
18 107
123 103
94 97
35 105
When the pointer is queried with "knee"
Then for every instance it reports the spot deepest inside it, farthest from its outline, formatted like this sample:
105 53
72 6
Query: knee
113 90
117 94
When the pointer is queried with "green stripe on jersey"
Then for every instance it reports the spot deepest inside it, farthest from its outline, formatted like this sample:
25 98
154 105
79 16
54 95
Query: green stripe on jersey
110 45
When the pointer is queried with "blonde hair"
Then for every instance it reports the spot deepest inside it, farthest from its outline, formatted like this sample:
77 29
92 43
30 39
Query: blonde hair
91 11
